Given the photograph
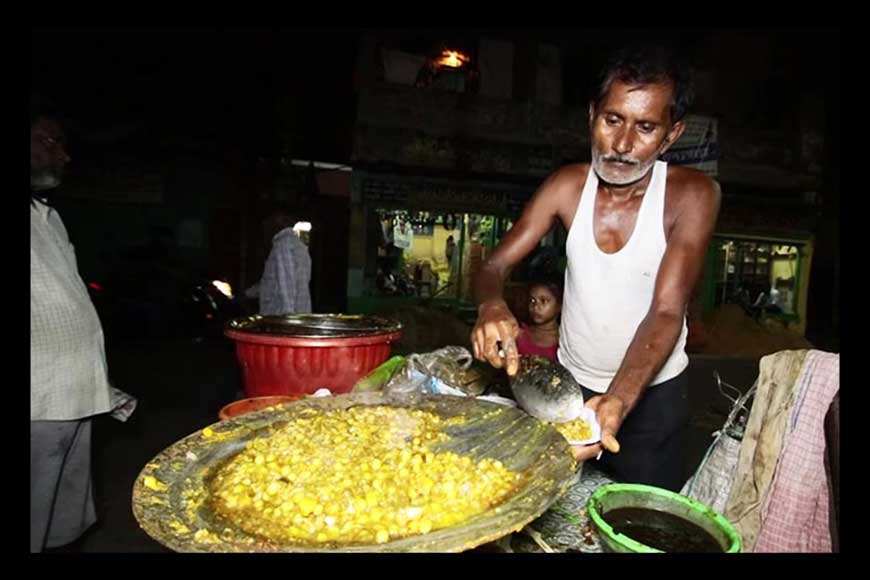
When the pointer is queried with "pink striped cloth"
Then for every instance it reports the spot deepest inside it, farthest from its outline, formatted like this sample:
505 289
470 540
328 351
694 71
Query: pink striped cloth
795 515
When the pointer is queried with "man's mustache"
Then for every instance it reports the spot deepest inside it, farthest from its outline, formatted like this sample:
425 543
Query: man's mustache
620 159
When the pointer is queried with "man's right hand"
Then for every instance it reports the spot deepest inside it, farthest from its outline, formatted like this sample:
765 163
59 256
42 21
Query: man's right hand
496 325
610 412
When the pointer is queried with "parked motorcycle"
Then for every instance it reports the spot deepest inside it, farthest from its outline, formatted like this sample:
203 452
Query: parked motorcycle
197 310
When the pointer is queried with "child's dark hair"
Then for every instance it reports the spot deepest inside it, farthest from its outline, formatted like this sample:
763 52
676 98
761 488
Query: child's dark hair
551 283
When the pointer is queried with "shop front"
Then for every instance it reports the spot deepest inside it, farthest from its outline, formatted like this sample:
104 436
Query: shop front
416 240
766 274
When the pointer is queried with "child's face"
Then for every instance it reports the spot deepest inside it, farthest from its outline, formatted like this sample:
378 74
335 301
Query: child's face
543 305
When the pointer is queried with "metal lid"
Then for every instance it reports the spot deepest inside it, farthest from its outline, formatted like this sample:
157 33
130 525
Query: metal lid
316 325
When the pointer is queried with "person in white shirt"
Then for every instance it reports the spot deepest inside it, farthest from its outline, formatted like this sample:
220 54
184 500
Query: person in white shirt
284 285
68 376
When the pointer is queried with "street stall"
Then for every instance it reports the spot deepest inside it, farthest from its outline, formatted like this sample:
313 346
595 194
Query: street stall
429 452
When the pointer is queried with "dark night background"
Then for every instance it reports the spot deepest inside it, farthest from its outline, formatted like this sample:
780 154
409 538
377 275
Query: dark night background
228 86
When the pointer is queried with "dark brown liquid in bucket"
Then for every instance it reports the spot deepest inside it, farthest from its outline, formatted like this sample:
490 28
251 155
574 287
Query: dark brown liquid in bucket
661 530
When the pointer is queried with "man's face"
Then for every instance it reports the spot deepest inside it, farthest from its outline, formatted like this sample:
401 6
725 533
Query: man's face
630 128
48 156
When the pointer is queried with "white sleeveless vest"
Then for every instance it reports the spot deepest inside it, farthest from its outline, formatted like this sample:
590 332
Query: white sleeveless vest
608 295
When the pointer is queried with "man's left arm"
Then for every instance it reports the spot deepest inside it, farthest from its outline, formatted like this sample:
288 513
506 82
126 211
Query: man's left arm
659 331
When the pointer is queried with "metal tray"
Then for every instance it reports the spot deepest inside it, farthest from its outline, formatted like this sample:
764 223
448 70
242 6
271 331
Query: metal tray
170 499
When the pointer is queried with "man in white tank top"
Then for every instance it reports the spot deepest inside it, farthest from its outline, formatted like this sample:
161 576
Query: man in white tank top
638 232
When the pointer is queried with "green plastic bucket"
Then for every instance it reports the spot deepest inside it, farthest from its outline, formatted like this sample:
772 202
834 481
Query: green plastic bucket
631 495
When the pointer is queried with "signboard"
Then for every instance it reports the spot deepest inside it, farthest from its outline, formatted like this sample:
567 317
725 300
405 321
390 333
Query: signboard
425 195
698 147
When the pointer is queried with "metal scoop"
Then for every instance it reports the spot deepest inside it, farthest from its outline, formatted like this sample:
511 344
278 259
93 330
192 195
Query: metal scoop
546 390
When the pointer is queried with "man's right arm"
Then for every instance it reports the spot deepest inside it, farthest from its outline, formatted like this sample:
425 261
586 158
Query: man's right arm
495 323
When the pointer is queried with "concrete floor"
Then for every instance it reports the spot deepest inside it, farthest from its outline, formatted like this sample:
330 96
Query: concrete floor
181 385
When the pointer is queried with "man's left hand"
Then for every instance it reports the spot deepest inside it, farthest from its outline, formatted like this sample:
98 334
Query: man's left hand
610 412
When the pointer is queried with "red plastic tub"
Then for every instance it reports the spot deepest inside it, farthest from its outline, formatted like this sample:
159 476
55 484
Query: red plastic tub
243 406
299 354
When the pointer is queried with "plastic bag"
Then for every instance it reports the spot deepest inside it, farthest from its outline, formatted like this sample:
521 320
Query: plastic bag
712 481
123 404
426 374
433 373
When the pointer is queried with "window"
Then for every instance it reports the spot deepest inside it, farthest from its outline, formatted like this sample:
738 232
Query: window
759 274
422 253
434 60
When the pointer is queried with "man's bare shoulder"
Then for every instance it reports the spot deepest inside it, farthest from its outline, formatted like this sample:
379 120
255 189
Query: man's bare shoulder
566 180
690 186
574 173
